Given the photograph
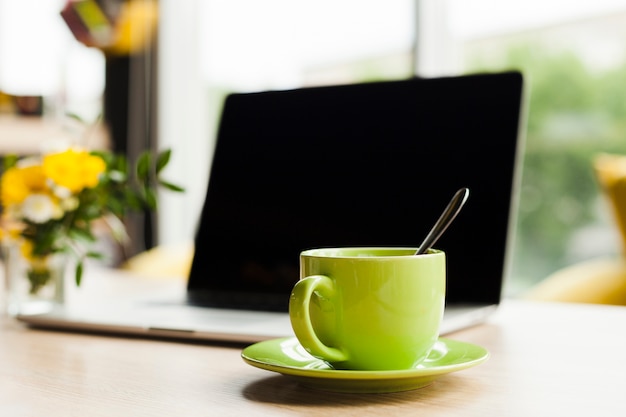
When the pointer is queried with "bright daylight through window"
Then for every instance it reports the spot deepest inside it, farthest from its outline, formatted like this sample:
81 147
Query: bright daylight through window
574 57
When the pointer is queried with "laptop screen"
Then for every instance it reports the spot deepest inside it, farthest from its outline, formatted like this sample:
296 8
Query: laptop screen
370 164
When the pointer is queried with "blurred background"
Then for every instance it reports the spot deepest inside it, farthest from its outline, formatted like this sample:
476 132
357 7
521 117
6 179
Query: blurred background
156 72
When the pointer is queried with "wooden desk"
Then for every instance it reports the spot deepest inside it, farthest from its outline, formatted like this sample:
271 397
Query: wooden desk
547 360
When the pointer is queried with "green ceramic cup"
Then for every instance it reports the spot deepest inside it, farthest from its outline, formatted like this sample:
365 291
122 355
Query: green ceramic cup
369 308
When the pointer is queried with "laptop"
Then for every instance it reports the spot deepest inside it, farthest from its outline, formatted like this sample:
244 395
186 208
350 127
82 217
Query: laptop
369 164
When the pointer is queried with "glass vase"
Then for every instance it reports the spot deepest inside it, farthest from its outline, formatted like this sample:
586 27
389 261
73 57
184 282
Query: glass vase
33 285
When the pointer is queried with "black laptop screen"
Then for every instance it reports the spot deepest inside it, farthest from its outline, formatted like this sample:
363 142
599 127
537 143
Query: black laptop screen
370 164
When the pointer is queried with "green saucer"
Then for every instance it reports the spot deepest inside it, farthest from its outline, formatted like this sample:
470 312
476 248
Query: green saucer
286 356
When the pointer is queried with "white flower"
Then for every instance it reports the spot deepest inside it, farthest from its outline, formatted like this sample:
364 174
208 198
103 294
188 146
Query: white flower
58 190
38 208
70 203
58 212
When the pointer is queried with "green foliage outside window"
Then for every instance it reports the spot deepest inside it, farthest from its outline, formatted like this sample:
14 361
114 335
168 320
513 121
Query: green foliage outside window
573 112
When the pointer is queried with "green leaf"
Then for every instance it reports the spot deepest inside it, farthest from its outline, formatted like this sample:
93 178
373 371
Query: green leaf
79 273
132 200
150 196
79 233
9 161
170 186
163 159
116 206
102 154
75 117
121 164
91 211
143 166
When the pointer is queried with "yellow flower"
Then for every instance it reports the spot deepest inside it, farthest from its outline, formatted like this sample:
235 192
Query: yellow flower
92 167
13 189
36 262
33 177
18 182
41 199
74 170
27 249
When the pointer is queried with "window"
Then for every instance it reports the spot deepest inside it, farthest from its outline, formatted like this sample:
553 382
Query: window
574 59
212 47
39 57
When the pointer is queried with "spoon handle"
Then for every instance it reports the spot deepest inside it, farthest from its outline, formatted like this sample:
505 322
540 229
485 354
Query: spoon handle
453 208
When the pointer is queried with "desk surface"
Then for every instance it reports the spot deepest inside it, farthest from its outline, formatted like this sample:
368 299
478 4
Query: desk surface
547 360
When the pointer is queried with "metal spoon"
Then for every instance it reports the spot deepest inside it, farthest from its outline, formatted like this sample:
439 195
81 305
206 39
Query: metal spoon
453 208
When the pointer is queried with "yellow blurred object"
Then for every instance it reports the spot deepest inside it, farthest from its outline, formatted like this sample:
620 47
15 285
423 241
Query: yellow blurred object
6 103
135 27
164 261
121 29
611 174
600 281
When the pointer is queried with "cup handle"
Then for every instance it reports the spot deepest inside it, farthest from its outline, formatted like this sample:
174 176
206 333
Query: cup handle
301 318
